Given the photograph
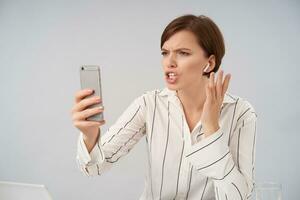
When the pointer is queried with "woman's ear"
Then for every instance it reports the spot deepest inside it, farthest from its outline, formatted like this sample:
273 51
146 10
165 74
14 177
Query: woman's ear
209 67
206 68
212 63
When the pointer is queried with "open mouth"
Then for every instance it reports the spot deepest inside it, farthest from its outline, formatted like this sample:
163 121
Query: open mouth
171 77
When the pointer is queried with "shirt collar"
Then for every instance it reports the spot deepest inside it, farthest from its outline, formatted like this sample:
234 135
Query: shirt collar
172 95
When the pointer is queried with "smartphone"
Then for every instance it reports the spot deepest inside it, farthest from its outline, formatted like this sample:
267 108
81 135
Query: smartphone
90 77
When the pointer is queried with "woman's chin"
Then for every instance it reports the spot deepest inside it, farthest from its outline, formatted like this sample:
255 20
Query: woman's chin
172 87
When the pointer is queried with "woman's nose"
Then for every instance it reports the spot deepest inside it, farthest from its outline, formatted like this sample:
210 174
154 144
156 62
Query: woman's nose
171 61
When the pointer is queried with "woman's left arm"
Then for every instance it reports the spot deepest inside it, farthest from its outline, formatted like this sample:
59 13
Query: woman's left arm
231 167
226 158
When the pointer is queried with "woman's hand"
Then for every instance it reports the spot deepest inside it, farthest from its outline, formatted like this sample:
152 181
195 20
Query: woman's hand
80 112
214 97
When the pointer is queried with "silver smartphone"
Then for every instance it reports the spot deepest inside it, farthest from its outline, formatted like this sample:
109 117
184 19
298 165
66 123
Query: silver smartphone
90 77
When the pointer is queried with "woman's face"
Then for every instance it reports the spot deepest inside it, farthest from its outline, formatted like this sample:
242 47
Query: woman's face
182 55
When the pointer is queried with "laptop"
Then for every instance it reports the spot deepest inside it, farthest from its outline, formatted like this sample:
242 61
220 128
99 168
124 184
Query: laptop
23 191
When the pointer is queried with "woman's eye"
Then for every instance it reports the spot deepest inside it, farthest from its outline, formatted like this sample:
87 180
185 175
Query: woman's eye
163 53
180 53
184 53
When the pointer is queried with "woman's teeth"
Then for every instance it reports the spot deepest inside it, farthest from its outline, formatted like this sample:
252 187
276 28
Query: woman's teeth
172 75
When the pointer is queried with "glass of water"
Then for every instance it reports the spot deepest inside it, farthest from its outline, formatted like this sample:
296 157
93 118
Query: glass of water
268 191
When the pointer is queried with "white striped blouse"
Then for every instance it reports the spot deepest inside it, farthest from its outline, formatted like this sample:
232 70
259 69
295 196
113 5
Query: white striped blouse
181 164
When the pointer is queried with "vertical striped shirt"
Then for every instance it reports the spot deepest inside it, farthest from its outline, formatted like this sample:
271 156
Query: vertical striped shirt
182 164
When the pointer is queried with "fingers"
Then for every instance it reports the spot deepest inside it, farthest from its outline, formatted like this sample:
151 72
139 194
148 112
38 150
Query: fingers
208 93
81 111
219 86
226 83
85 103
81 116
81 94
89 123
216 90
212 86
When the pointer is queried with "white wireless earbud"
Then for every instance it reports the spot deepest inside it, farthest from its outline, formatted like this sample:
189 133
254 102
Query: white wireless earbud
207 66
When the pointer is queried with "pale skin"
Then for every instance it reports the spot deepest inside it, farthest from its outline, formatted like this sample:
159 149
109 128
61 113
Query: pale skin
80 112
201 97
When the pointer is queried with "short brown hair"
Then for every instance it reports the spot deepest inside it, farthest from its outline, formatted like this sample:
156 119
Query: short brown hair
206 31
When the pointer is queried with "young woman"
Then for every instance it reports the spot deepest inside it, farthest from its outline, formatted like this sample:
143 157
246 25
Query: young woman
200 138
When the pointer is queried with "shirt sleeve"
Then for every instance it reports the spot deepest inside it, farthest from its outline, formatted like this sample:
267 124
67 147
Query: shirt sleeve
229 162
118 140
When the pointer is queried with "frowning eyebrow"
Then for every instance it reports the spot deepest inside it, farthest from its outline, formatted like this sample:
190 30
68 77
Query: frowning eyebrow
163 49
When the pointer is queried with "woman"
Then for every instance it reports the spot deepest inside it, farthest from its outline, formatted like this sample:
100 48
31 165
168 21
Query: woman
200 138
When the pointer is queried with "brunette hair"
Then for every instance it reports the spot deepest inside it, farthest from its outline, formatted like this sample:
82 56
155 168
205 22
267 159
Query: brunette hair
208 35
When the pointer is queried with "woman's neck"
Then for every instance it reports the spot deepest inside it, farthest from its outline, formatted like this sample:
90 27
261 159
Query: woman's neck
192 98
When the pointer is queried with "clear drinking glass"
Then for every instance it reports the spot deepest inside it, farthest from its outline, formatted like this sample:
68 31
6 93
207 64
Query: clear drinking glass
268 191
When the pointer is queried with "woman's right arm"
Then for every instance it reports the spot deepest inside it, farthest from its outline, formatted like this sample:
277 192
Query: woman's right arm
89 130
97 152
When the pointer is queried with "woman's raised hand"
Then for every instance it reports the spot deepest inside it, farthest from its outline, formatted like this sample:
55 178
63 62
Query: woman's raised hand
215 92
80 112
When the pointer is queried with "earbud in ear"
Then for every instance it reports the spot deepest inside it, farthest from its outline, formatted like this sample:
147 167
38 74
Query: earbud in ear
207 66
